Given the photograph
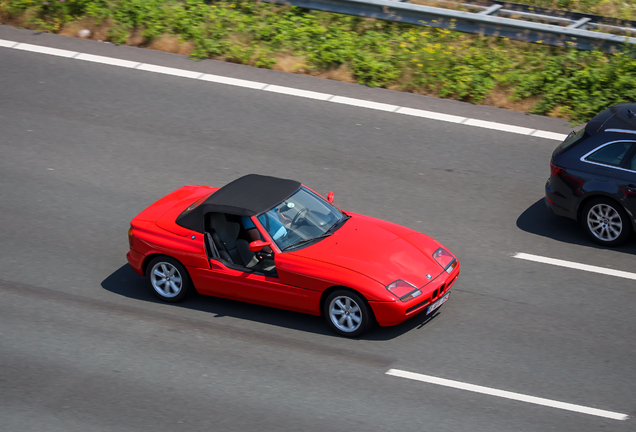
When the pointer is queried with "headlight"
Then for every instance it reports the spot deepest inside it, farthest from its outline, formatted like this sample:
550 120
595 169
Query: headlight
404 290
445 259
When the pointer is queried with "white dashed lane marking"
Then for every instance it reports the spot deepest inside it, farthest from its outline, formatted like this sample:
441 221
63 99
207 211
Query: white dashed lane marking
284 90
574 265
507 395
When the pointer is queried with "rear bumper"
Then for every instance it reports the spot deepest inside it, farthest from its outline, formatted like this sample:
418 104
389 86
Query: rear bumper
136 261
396 312
558 203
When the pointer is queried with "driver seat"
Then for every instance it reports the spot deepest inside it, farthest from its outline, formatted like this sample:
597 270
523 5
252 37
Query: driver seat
231 248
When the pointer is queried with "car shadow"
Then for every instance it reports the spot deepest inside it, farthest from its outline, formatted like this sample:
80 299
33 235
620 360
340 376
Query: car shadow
125 282
418 322
539 220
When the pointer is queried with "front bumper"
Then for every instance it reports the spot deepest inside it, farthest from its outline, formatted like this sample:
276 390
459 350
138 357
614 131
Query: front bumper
396 312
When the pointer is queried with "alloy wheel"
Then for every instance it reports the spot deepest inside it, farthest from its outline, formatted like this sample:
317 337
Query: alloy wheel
166 279
604 222
345 314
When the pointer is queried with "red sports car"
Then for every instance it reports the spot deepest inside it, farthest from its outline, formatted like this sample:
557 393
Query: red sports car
275 242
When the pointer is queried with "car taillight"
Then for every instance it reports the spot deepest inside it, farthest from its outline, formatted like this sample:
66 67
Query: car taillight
556 170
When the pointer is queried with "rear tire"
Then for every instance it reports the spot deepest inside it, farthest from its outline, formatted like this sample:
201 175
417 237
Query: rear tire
606 222
347 313
168 278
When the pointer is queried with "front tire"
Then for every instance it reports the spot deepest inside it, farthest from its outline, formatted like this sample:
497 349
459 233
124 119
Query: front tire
606 222
168 278
347 313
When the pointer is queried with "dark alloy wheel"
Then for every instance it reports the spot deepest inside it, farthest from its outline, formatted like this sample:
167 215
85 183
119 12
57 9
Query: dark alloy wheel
347 313
606 222
168 278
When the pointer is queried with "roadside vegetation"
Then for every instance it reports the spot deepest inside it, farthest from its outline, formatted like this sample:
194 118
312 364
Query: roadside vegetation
556 81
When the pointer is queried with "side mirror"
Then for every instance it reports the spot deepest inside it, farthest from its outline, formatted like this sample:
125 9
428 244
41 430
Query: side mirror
330 197
258 245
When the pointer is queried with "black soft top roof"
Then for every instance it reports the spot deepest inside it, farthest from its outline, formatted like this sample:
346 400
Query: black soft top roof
247 196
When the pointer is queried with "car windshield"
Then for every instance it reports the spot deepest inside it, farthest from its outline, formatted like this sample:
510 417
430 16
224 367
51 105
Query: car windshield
301 219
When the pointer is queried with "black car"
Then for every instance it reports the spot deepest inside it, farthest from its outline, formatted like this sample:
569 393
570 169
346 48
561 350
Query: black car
593 176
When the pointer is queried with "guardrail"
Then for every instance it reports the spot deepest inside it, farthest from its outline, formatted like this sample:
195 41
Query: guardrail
544 15
515 25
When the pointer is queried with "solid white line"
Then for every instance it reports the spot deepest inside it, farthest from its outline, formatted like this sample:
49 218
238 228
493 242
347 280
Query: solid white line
233 81
297 92
107 60
7 44
45 50
364 103
506 394
499 126
284 90
574 265
169 71
549 135
431 115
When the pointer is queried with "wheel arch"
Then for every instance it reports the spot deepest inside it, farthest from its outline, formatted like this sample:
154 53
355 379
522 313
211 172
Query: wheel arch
150 257
590 197
328 291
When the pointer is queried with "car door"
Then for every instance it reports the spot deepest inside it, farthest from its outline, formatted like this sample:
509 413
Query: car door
232 281
624 178
607 164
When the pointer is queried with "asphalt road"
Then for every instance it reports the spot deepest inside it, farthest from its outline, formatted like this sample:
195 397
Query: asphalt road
84 346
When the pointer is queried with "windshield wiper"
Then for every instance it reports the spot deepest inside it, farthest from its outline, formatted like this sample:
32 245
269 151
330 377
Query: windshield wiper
338 224
327 233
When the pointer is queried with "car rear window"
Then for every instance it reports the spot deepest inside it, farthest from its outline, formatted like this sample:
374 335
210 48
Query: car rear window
611 154
572 138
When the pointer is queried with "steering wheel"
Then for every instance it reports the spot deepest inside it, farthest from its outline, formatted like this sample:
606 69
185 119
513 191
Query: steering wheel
300 214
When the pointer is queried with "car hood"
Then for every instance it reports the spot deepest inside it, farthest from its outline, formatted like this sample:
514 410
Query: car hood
378 249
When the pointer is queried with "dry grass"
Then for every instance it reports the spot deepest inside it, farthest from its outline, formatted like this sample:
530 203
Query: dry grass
560 112
20 21
290 63
98 31
240 39
501 98
135 38
341 73
171 44
297 64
